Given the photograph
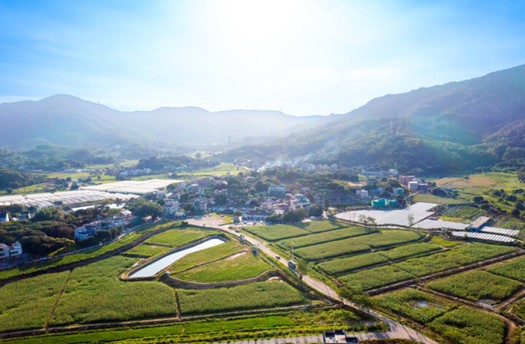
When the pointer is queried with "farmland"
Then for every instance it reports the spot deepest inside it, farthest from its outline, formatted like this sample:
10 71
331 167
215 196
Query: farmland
212 330
376 277
210 254
238 267
477 285
27 304
467 325
462 255
94 294
320 238
463 212
342 265
280 232
179 237
414 304
514 269
358 244
249 296
410 250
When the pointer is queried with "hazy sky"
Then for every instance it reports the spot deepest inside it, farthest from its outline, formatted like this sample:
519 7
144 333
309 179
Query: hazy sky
303 57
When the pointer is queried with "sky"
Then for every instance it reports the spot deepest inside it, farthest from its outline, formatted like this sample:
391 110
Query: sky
308 57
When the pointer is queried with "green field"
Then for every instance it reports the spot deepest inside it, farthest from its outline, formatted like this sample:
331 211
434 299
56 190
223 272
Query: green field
321 226
467 325
213 253
146 250
444 242
345 265
377 277
94 294
477 285
248 296
456 257
414 304
27 304
323 237
405 251
277 232
518 309
179 236
514 269
238 267
463 212
429 198
358 244
213 330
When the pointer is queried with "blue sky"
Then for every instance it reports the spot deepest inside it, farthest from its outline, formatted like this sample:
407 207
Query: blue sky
302 57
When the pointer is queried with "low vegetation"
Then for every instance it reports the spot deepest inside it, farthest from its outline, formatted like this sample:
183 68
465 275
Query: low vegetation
467 325
323 237
376 277
238 267
514 269
345 265
248 296
477 285
277 232
414 304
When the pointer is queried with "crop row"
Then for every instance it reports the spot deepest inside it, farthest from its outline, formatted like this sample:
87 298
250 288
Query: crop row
323 237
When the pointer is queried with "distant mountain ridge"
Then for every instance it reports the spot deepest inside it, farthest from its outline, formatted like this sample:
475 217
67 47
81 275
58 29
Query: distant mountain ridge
71 121
455 127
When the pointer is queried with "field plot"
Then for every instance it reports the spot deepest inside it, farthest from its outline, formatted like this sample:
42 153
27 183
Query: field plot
321 226
417 211
249 296
467 325
466 212
410 250
477 286
358 244
376 277
207 255
146 250
459 256
179 236
514 269
27 304
277 232
319 238
94 294
518 309
344 265
240 266
414 304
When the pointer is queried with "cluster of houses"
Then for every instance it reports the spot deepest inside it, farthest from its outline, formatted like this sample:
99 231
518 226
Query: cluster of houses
9 253
90 230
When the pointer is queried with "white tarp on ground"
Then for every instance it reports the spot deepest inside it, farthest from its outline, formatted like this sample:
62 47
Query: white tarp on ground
65 197
438 224
398 217
133 186
483 236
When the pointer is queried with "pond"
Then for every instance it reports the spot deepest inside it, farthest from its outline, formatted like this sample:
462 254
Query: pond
155 267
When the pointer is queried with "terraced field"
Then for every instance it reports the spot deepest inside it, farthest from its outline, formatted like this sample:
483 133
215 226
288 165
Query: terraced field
280 232
319 238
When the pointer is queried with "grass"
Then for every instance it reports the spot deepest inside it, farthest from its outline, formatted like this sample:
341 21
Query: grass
429 198
248 296
95 294
514 269
462 255
345 265
27 304
444 242
357 244
213 330
207 255
414 304
323 237
477 285
146 250
467 325
321 226
179 236
410 250
373 278
242 266
277 232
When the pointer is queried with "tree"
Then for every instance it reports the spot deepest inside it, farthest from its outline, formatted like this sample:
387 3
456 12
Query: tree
315 210
143 208
294 216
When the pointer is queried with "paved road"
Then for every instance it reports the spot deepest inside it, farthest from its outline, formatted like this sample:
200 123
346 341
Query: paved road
397 330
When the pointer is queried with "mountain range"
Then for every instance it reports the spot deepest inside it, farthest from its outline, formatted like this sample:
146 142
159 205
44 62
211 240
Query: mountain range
455 127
